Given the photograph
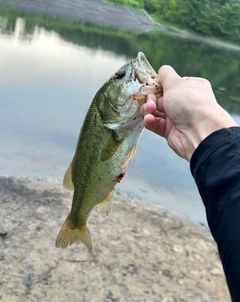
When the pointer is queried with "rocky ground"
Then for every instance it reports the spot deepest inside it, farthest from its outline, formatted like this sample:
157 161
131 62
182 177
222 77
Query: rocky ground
140 253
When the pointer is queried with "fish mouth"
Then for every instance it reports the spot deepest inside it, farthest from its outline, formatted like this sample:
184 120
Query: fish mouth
143 69
146 76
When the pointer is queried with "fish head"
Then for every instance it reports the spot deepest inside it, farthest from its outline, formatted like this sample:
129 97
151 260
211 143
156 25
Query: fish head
125 92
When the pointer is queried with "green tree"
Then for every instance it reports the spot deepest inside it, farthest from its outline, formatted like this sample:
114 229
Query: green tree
152 6
219 18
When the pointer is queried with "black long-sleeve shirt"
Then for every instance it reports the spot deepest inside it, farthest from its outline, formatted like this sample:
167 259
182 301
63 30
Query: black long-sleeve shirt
215 166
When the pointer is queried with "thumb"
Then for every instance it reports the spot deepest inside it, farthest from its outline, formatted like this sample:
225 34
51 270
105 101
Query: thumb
167 76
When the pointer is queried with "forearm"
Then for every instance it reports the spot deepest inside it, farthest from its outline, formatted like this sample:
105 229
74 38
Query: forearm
215 166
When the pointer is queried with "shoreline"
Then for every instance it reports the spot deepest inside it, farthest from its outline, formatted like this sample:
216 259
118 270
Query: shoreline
141 252
98 12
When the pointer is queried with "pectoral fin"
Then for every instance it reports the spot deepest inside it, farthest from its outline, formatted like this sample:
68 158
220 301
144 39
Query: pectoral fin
105 207
67 180
111 146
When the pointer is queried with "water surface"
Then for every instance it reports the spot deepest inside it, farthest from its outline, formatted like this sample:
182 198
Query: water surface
48 77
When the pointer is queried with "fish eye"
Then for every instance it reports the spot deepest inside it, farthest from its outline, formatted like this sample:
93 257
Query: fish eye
120 74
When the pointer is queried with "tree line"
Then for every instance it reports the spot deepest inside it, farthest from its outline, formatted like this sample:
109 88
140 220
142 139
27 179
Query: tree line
216 18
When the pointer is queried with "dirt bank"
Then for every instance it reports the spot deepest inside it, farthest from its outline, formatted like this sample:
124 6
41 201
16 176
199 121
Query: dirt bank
90 11
140 253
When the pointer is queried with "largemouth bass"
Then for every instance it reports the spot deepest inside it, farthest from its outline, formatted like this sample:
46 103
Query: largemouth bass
106 145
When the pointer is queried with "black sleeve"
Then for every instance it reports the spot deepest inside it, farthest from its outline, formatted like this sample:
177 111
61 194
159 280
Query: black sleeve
215 166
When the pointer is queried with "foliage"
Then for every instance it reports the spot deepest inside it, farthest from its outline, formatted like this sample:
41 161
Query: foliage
219 18
133 3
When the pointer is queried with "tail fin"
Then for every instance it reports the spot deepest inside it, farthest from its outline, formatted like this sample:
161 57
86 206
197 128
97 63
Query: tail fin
69 234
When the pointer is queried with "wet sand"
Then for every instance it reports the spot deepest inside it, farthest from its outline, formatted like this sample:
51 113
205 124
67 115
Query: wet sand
140 253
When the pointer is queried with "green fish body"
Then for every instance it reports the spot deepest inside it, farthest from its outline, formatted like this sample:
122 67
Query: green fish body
107 143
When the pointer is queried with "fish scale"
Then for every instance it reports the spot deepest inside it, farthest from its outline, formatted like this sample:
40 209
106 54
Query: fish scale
106 145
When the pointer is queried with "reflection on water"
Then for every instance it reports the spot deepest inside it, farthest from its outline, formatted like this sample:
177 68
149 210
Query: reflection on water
46 86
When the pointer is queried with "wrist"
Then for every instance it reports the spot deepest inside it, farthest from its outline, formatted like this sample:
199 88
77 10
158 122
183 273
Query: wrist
215 121
208 124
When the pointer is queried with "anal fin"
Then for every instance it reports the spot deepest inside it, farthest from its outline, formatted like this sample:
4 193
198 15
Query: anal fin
105 207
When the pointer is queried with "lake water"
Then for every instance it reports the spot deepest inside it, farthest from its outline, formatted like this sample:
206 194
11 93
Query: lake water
48 77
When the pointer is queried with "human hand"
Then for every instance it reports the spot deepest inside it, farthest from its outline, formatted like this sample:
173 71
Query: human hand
186 113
